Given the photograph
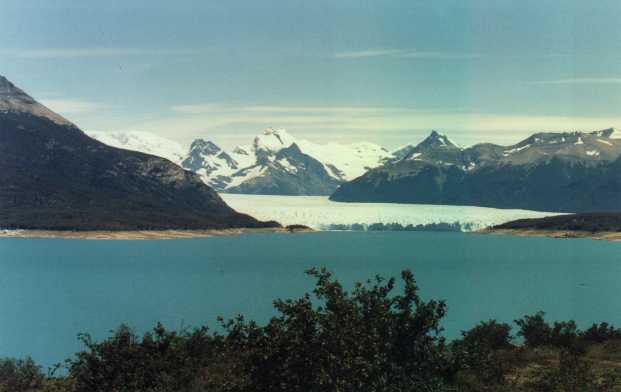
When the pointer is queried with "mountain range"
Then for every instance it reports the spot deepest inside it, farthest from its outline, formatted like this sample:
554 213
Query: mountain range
53 176
565 172
274 163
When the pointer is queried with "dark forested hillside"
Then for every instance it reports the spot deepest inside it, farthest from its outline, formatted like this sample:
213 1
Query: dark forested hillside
549 172
594 222
53 176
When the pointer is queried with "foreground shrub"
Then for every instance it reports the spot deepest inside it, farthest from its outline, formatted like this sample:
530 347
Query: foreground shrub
17 375
489 334
534 329
159 361
562 334
602 332
479 358
366 340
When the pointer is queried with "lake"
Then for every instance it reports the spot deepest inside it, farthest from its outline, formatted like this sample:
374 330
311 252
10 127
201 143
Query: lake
52 289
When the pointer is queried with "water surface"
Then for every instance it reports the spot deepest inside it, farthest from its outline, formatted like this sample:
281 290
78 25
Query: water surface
52 289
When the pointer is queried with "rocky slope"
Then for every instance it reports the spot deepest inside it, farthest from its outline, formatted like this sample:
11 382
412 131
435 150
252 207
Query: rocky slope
53 176
565 172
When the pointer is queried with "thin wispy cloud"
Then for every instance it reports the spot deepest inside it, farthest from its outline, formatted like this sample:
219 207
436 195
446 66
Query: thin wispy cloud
613 80
72 106
403 54
206 108
200 108
438 55
367 53
50 53
395 125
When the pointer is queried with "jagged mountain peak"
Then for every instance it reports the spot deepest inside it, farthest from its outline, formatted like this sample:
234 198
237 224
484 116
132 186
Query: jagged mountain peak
6 87
435 147
13 95
437 140
267 164
14 99
205 157
273 140
565 171
275 131
611 133
206 147
295 147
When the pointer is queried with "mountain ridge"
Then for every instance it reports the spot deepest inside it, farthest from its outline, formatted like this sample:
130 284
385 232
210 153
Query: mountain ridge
435 157
55 177
564 172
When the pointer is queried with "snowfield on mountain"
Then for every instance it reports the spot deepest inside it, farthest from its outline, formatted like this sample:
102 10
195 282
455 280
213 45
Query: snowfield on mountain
143 142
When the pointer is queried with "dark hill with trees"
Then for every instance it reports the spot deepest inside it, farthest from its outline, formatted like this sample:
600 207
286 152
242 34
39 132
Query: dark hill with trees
54 177
561 172
594 222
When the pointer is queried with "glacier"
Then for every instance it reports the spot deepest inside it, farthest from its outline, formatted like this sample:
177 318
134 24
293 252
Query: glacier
319 213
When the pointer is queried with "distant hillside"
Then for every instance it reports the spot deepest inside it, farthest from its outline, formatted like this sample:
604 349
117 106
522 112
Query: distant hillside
53 176
594 222
560 172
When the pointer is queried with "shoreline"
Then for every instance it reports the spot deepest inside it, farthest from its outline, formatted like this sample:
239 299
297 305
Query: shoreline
142 234
601 235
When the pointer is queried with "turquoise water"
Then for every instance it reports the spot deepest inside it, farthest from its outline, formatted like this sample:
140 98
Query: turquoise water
52 289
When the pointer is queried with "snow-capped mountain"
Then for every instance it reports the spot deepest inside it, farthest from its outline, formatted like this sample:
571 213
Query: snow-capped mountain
436 147
346 161
604 145
567 172
144 142
277 163
209 161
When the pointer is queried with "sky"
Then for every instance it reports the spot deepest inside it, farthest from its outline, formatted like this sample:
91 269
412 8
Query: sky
381 71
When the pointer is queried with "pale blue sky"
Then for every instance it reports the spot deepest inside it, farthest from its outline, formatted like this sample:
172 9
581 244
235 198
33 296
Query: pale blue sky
382 71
